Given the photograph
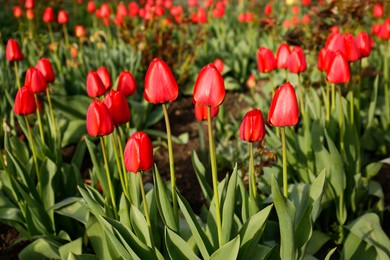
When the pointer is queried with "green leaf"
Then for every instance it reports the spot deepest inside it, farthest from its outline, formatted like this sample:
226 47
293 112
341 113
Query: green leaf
73 208
286 215
330 253
371 108
48 171
228 207
316 193
200 237
78 156
200 172
82 257
140 226
73 132
73 247
178 248
251 232
40 249
317 240
227 251
96 207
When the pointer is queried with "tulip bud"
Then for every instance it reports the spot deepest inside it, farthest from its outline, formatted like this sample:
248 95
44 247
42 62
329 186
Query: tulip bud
18 12
282 56
160 84
126 83
384 32
79 31
338 71
105 77
378 10
138 154
118 107
91 7
45 67
218 63
121 10
268 9
251 82
297 60
252 127
13 51
48 15
105 10
266 61
62 17
335 42
363 44
209 89
284 107
351 50
201 113
30 14
35 81
99 121
25 102
95 87
133 9
29 4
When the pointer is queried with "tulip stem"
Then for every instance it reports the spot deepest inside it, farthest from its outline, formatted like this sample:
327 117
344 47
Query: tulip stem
341 122
17 74
50 33
386 79
39 120
31 141
141 184
51 112
118 164
272 83
301 96
66 35
252 171
333 96
284 156
171 162
122 158
112 194
214 175
351 106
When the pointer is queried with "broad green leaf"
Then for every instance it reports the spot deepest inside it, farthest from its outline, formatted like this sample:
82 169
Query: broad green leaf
73 247
228 207
200 172
72 256
73 132
227 251
317 240
48 171
286 215
96 207
140 226
316 193
78 156
97 237
177 247
124 211
371 108
71 207
40 249
330 253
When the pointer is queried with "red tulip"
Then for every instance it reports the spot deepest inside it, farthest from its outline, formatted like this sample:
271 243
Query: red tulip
192 3
25 102
252 127
321 59
351 50
48 15
251 81
79 31
118 107
105 77
126 83
363 43
376 28
384 32
45 67
284 107
18 11
95 87
138 153
266 61
35 81
209 89
105 10
133 9
99 121
282 56
62 17
335 42
91 7
306 19
29 4
378 10
297 60
218 63
306 2
160 84
338 71
201 112
268 9
30 14
13 51
121 11
296 10
176 10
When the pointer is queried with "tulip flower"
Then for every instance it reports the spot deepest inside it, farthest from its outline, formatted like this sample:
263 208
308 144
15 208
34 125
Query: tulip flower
118 107
251 82
363 43
297 60
13 51
209 89
133 9
160 84
18 12
138 153
29 4
126 83
105 76
62 17
48 15
79 31
201 112
45 67
25 102
121 10
35 81
351 50
99 121
338 71
268 9
266 61
218 63
95 87
384 32
91 7
30 14
306 19
378 10
282 56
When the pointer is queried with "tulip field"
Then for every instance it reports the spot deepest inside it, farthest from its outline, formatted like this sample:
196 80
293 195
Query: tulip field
194 129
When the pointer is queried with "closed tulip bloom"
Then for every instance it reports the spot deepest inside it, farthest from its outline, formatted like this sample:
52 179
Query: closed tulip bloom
306 19
30 14
160 84
95 87
62 17
363 43
13 51
268 9
45 67
138 154
338 71
201 112
209 89
378 10
252 127
79 31
266 61
335 42
284 107
321 59
351 50
105 77
133 9
118 107
29 4
25 102
91 7
121 10
384 32
48 15
218 63
376 29
297 60
99 121
282 56
18 11
126 83
105 10
251 82
35 81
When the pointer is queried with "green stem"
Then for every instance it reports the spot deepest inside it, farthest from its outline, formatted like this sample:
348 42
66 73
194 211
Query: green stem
3 166
146 211
301 95
327 101
17 74
50 33
386 79
34 153
66 35
214 176
284 156
51 112
351 108
122 158
272 83
333 96
341 120
252 171
112 194
39 121
171 161
118 164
